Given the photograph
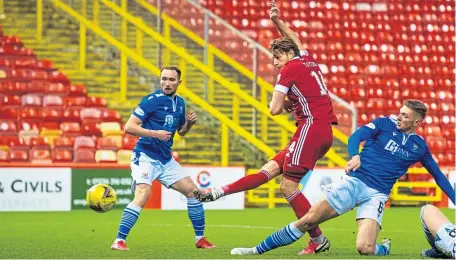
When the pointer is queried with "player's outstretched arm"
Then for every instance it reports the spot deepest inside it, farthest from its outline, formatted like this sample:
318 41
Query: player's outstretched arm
191 120
133 127
284 30
440 178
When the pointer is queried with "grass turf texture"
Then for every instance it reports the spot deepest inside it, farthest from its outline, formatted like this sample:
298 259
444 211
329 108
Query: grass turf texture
168 234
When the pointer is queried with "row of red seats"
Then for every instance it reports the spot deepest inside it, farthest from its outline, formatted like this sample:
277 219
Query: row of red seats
41 88
87 128
26 74
54 114
63 155
34 100
127 142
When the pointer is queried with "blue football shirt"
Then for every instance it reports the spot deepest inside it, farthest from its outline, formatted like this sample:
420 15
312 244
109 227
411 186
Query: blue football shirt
159 112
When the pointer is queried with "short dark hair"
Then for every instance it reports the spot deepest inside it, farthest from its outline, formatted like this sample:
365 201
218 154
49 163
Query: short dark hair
175 68
284 45
417 106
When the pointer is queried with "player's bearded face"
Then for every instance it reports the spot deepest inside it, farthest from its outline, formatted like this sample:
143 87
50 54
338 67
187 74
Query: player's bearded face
169 81
407 119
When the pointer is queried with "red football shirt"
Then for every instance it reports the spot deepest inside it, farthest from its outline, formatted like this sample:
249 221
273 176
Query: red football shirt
302 80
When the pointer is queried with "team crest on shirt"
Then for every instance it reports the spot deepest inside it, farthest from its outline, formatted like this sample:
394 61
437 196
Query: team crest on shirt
144 175
181 109
415 147
166 108
394 133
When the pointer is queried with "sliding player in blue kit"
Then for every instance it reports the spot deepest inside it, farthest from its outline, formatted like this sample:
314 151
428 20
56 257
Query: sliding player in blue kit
391 147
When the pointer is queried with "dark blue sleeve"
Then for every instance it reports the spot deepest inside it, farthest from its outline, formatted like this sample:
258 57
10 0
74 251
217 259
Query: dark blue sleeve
440 178
362 134
146 108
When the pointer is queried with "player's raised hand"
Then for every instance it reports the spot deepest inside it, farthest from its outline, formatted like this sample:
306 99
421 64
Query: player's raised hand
162 135
353 164
287 106
274 11
191 118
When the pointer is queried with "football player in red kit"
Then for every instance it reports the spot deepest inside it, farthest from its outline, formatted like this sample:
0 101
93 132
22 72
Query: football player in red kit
301 81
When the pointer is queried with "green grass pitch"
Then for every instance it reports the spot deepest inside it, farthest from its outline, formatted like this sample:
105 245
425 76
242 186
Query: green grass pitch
168 234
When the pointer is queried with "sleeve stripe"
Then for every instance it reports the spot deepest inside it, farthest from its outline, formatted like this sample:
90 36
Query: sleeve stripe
281 88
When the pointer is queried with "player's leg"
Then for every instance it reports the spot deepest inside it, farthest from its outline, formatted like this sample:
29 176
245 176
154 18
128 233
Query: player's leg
175 179
143 173
436 224
319 213
269 171
308 145
369 219
340 198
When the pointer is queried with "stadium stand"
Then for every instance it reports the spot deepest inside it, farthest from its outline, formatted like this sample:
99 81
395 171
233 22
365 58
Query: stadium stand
44 118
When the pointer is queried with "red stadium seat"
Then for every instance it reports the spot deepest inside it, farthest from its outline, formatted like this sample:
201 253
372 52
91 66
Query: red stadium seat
8 114
39 142
70 129
77 91
72 114
108 143
90 115
15 88
91 129
111 116
62 154
56 89
50 114
75 101
8 128
129 142
64 141
57 76
37 87
40 155
84 142
84 156
52 100
30 114
18 155
96 102
31 100
45 65
10 101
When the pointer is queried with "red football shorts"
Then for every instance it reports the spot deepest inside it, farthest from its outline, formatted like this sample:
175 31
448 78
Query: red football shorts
308 145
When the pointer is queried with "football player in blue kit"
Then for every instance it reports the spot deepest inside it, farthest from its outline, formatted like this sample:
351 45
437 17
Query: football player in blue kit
156 119
439 232
391 147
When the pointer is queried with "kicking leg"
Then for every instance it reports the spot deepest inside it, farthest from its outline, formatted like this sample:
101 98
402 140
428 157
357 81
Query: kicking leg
268 171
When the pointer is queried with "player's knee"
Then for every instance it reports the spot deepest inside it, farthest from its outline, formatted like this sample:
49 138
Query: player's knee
424 211
288 188
142 193
365 248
